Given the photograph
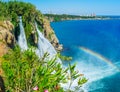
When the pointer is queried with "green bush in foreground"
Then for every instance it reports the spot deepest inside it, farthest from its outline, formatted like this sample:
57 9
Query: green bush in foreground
25 72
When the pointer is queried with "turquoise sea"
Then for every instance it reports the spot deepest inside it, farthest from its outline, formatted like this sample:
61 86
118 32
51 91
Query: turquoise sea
95 47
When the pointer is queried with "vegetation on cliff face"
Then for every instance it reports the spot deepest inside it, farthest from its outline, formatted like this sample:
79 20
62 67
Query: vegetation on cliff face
13 9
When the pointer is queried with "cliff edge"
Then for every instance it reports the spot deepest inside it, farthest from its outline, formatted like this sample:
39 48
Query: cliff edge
50 34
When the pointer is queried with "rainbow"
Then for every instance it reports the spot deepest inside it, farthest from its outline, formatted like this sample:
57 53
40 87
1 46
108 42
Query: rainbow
97 55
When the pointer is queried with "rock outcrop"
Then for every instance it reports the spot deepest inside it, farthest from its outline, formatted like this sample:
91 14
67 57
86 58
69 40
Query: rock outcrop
50 34
7 39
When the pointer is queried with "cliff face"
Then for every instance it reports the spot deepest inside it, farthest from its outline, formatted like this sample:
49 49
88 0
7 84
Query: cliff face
7 39
29 14
49 34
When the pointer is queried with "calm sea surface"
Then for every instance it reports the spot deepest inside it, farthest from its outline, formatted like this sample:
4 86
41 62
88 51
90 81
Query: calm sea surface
95 47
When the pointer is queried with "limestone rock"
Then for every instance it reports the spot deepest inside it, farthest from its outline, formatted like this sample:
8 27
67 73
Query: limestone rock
34 36
3 48
49 34
7 38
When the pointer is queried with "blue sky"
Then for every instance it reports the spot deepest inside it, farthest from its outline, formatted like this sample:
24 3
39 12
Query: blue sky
80 7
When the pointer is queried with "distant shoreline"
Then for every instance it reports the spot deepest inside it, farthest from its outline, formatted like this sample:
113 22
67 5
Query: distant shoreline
63 17
84 19
87 19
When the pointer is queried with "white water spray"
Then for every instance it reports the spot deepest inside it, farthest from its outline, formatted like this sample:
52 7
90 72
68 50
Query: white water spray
45 46
94 67
22 42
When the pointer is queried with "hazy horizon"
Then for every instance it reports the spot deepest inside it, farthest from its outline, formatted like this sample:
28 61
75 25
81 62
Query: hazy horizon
78 7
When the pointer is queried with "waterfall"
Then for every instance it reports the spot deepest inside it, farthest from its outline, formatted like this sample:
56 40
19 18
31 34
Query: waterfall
45 46
22 42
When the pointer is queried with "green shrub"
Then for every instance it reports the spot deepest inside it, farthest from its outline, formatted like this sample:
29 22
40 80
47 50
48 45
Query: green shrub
24 71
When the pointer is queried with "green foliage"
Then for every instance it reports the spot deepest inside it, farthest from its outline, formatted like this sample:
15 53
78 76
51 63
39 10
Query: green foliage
82 81
11 10
64 58
73 75
24 70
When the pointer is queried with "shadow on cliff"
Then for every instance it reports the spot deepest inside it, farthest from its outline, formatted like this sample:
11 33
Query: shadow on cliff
2 86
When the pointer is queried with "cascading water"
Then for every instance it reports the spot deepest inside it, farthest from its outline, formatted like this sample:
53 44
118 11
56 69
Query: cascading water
22 42
45 46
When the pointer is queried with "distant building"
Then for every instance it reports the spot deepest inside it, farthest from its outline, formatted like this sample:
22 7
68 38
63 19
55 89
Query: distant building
93 14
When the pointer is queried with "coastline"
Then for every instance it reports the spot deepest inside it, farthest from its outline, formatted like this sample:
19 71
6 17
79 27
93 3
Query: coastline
87 19
56 17
69 19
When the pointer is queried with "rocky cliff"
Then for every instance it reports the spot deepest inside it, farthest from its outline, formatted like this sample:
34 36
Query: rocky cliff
30 15
50 34
47 31
7 39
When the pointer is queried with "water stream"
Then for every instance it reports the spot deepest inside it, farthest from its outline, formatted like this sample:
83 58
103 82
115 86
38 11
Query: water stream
44 46
22 42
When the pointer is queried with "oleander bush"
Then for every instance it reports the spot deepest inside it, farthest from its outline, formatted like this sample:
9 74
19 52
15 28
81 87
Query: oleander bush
25 72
